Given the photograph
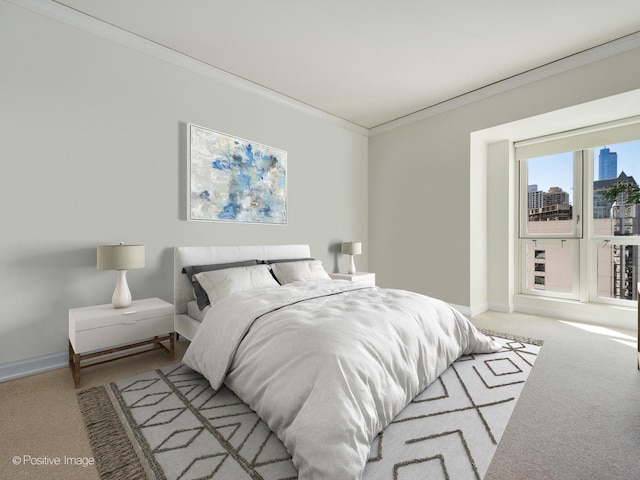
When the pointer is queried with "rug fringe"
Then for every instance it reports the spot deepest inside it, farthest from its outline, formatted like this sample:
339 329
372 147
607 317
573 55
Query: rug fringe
515 338
114 454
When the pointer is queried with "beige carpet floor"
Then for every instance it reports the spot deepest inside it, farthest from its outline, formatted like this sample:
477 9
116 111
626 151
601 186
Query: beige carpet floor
578 416
39 416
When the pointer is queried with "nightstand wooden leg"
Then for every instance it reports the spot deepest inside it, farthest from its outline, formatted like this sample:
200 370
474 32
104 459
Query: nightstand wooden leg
74 365
76 371
172 345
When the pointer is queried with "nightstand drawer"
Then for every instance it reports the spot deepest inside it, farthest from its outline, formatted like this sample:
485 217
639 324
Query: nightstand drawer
95 328
129 330
104 315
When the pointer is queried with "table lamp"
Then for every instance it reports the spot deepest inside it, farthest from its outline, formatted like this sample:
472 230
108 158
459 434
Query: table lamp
120 258
351 249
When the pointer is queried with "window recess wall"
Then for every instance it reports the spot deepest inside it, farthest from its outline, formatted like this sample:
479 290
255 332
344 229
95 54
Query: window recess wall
572 242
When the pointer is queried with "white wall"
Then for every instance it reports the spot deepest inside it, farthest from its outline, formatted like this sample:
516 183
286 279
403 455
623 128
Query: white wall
430 227
501 224
92 151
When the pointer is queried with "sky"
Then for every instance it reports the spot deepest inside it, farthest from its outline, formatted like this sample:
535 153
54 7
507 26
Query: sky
557 170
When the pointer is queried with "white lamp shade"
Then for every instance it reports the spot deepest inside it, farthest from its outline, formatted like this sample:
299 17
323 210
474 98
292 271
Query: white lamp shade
120 257
352 248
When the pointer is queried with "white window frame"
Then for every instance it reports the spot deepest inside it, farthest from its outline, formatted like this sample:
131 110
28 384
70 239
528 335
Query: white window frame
582 236
576 228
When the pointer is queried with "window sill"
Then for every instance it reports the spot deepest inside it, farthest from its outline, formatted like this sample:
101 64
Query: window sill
595 313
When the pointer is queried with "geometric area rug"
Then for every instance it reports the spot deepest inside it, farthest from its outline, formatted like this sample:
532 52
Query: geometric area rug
170 424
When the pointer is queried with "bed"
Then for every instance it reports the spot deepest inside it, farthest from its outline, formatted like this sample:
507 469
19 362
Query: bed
326 364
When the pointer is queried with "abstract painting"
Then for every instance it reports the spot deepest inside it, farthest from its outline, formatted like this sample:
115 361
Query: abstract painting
235 180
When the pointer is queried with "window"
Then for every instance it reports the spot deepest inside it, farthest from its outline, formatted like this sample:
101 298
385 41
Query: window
551 194
574 242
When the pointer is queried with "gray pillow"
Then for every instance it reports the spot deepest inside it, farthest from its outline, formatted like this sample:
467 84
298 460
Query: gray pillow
201 296
283 260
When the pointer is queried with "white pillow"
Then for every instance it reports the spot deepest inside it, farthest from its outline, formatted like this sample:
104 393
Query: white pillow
287 272
221 283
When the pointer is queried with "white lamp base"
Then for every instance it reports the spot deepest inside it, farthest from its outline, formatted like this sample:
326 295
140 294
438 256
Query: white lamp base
121 295
352 265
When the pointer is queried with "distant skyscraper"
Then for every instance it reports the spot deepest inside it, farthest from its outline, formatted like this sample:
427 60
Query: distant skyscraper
534 197
607 164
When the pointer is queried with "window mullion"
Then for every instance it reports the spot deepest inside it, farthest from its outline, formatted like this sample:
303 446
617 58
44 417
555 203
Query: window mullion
588 273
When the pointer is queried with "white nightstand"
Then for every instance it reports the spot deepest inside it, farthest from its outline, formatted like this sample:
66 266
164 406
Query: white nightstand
364 277
103 330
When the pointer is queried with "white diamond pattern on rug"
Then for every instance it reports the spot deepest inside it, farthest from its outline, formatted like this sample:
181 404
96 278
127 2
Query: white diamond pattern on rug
450 431
204 467
163 417
465 419
179 439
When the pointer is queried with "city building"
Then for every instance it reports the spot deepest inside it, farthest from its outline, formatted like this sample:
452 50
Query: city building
602 206
607 164
535 197
556 196
551 205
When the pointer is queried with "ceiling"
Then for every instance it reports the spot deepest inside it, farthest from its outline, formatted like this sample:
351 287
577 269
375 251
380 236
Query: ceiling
372 61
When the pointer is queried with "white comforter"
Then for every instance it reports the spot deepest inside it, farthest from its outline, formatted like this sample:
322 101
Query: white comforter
328 364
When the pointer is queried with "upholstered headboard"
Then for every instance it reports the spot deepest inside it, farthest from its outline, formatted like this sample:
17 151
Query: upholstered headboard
186 256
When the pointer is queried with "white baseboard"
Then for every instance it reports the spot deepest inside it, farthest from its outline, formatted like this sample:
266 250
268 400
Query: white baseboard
466 311
501 307
31 366
478 309
470 311
45 363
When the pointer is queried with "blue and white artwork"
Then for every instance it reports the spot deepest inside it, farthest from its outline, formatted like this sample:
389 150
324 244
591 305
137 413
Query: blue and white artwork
235 180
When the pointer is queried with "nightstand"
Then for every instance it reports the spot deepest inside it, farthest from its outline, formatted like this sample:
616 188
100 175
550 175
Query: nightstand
102 330
364 277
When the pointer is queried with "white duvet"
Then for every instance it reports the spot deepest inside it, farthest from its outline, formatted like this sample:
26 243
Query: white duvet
328 364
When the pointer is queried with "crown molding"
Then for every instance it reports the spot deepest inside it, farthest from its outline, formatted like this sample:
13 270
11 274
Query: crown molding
600 52
72 17
115 34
